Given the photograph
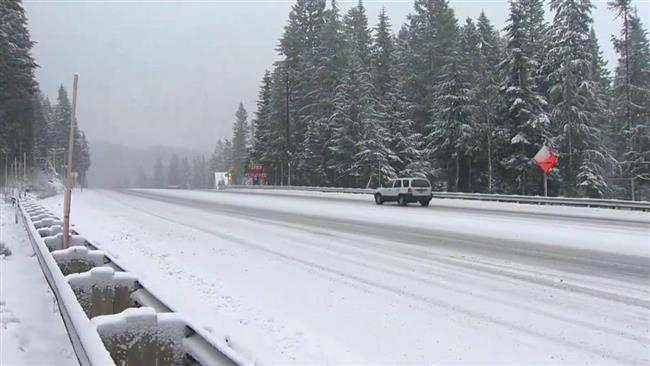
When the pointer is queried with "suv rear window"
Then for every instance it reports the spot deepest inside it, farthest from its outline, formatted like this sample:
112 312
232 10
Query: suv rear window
419 183
405 182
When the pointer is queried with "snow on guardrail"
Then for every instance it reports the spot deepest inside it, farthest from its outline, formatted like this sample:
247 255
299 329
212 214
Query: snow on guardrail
538 200
110 316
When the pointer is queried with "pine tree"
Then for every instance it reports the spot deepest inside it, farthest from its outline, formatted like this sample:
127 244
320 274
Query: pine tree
451 128
221 159
41 125
372 161
486 94
81 161
185 174
402 142
261 138
571 94
279 124
200 171
299 45
407 144
174 177
332 59
358 34
526 125
329 64
383 56
17 83
346 130
158 174
470 57
60 127
432 35
143 181
632 100
535 46
240 137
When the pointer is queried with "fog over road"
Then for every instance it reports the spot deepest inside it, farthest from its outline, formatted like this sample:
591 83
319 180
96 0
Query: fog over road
332 278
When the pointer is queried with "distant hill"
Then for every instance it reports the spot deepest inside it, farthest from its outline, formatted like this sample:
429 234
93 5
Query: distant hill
115 165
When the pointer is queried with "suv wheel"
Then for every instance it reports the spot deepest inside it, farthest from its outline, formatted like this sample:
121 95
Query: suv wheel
425 202
379 199
401 200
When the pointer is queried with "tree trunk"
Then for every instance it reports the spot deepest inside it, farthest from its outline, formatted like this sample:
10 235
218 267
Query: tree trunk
571 172
457 171
489 152
469 175
522 186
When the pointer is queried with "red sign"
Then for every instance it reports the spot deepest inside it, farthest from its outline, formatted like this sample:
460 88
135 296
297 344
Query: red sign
255 171
254 168
545 159
261 175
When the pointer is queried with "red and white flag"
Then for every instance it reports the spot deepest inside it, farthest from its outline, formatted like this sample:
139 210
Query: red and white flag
545 159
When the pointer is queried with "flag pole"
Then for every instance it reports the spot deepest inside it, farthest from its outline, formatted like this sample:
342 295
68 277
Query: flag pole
68 187
545 184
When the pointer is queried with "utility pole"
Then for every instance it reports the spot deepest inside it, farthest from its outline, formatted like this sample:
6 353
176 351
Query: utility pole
288 128
6 182
68 188
24 167
14 172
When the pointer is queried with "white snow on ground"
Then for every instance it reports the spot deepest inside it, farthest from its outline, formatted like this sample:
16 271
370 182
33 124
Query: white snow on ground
32 331
587 212
289 294
484 219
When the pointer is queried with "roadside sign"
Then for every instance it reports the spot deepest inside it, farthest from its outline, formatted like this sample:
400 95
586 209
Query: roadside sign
545 159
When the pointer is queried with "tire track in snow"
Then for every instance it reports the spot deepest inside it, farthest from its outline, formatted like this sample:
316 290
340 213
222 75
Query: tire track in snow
427 300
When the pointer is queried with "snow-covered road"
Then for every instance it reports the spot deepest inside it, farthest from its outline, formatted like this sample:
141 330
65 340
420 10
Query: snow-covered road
327 278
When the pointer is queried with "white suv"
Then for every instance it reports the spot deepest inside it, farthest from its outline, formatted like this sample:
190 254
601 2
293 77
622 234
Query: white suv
404 190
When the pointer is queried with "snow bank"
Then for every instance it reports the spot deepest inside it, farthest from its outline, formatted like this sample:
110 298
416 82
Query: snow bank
31 330
83 334
105 296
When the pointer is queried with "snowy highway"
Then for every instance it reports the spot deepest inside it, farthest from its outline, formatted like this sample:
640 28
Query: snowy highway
331 278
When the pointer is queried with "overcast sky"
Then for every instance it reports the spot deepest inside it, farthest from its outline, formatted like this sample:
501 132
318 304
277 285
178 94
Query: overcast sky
173 72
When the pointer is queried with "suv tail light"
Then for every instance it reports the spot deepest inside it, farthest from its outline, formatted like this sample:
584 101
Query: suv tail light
409 190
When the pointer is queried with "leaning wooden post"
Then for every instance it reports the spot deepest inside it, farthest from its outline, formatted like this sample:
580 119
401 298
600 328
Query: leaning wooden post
68 186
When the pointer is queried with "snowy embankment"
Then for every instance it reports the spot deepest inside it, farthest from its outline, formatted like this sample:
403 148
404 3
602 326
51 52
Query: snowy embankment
32 331
308 280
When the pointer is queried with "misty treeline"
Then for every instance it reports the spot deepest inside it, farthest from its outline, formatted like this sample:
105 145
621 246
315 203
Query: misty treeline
465 105
189 173
31 128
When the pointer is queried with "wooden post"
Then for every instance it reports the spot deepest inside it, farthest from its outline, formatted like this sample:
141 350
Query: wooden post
6 181
14 172
68 187
25 173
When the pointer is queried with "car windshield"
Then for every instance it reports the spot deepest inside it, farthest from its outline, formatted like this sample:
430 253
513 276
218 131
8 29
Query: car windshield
420 183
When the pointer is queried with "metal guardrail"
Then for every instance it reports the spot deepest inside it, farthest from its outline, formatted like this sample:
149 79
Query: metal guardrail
537 200
84 336
70 310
